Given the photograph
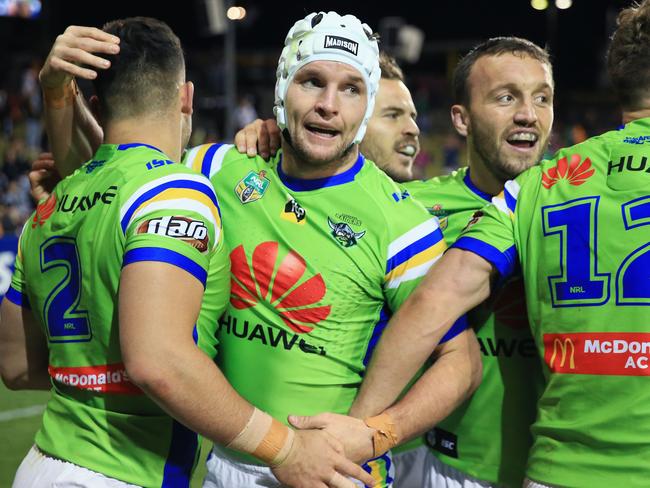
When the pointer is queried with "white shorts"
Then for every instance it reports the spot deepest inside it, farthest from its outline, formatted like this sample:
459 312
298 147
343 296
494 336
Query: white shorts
534 484
41 471
224 471
409 467
440 475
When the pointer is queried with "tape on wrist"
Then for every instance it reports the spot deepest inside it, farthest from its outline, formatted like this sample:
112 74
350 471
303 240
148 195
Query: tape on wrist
60 96
385 436
265 438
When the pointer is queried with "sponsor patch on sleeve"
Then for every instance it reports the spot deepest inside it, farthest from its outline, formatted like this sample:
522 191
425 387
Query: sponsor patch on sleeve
194 232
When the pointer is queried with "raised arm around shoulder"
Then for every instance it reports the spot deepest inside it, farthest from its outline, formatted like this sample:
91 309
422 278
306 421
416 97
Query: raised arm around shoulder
454 285
23 349
73 131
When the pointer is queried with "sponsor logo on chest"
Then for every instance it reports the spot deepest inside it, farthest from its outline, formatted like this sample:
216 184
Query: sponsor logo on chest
293 212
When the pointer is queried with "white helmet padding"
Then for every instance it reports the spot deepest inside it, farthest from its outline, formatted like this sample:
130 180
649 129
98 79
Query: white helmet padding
328 37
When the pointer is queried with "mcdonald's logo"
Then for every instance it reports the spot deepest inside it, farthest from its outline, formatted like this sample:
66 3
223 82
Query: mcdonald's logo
604 353
567 350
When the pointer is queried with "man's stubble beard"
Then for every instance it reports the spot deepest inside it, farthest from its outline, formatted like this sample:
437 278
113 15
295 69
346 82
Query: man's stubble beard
302 155
500 169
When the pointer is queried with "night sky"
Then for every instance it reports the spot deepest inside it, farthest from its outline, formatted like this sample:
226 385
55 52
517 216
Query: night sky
577 39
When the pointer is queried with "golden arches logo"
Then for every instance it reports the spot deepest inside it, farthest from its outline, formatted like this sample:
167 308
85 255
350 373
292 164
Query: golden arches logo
563 346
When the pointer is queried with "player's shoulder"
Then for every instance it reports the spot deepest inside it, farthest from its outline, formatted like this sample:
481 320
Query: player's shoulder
391 200
575 163
596 149
124 167
384 192
165 184
438 186
132 161
210 159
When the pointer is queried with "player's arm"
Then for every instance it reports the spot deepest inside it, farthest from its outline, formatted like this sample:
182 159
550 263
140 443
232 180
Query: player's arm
23 349
451 379
259 137
72 129
457 283
454 285
43 177
158 307
455 374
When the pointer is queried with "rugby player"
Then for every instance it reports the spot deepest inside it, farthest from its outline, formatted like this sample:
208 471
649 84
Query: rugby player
504 94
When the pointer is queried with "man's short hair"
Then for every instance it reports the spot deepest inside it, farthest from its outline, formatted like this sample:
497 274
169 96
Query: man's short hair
495 46
628 57
143 77
390 70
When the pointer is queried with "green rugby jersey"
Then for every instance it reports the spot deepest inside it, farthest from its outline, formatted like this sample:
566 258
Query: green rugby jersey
488 436
578 224
128 204
317 268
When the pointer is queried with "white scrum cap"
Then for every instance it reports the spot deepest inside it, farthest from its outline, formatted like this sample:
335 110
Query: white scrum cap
328 37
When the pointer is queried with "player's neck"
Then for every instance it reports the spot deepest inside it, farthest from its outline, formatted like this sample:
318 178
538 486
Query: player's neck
632 115
484 179
160 134
295 166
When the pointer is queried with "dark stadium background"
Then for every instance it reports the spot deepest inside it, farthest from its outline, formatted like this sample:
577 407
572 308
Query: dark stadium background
577 38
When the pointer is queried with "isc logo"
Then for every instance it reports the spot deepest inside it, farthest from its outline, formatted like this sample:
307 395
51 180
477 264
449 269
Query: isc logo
447 444
178 227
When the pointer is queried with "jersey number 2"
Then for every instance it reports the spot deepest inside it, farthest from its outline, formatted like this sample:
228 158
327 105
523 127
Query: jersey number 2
66 322
579 282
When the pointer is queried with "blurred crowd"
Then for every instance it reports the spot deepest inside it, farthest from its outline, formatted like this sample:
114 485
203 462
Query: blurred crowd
21 139
22 135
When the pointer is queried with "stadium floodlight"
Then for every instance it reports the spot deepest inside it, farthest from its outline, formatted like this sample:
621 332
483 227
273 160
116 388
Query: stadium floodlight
539 4
563 4
236 13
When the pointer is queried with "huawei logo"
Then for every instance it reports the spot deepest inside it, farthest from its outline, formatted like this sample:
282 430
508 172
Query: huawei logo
576 172
44 210
278 281
510 305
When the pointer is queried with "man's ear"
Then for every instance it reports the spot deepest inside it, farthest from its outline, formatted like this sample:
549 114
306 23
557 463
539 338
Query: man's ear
460 119
95 109
187 97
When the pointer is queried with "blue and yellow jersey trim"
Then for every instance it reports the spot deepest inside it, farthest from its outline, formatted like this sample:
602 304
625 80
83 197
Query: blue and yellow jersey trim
382 470
184 192
504 261
168 256
506 201
412 254
207 159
